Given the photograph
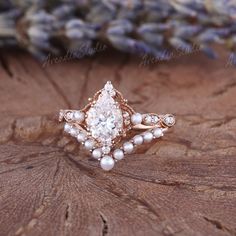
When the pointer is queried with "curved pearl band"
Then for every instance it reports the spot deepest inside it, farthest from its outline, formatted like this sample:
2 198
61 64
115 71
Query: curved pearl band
104 122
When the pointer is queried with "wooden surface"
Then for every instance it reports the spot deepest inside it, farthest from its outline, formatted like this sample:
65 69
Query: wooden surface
185 184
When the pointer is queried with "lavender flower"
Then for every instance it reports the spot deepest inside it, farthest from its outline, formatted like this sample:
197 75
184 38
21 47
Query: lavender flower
134 26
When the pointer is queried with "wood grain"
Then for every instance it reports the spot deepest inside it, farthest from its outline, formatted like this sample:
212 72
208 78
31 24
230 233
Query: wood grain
185 184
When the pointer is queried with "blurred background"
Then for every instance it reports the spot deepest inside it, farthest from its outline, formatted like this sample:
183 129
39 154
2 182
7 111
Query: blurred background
153 27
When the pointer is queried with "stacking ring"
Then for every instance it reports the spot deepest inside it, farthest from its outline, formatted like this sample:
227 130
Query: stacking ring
105 121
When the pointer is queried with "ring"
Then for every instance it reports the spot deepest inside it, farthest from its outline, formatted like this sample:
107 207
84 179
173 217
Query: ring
101 125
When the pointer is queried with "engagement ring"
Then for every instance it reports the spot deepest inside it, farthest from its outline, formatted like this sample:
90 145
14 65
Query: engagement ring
105 121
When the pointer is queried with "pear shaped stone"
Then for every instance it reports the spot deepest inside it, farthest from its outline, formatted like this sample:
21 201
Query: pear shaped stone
104 118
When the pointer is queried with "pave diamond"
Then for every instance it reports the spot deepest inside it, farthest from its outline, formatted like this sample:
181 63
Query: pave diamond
104 118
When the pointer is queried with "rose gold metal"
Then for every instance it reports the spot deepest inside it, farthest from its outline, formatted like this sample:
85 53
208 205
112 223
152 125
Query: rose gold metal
125 108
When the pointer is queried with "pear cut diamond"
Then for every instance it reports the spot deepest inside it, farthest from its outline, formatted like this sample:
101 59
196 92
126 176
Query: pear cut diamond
100 125
104 118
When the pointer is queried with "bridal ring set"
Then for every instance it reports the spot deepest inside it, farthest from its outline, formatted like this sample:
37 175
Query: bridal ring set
101 125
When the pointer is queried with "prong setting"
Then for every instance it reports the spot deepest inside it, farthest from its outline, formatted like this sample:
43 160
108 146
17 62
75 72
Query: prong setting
107 118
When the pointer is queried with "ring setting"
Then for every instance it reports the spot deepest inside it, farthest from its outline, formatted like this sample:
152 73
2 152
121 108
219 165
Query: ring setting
102 124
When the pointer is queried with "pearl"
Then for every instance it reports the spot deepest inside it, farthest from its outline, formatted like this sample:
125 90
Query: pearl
67 127
118 154
79 116
107 163
97 153
81 137
148 119
157 132
136 119
138 139
73 132
128 147
148 137
89 144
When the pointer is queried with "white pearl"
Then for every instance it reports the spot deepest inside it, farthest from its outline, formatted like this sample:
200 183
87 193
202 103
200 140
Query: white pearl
67 127
73 132
138 139
128 147
157 132
89 144
148 119
97 153
81 137
107 163
118 154
148 137
136 119
79 116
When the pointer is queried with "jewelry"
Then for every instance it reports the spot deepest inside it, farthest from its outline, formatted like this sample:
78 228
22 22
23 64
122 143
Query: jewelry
107 118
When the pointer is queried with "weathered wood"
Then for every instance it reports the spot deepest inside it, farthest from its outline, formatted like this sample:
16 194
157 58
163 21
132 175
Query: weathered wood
185 184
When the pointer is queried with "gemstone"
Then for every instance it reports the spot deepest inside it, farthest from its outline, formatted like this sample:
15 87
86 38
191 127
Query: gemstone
73 132
104 119
69 115
89 144
155 119
136 119
107 163
151 119
126 118
79 116
109 88
67 127
128 147
81 137
138 139
148 119
148 136
97 153
157 132
106 149
118 154
169 120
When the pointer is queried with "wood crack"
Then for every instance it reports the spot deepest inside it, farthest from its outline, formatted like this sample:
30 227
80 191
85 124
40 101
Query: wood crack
20 167
120 194
104 225
25 157
6 66
176 183
225 89
67 212
25 229
217 224
57 169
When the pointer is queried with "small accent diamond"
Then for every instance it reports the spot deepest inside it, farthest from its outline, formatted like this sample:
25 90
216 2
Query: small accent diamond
106 150
69 115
